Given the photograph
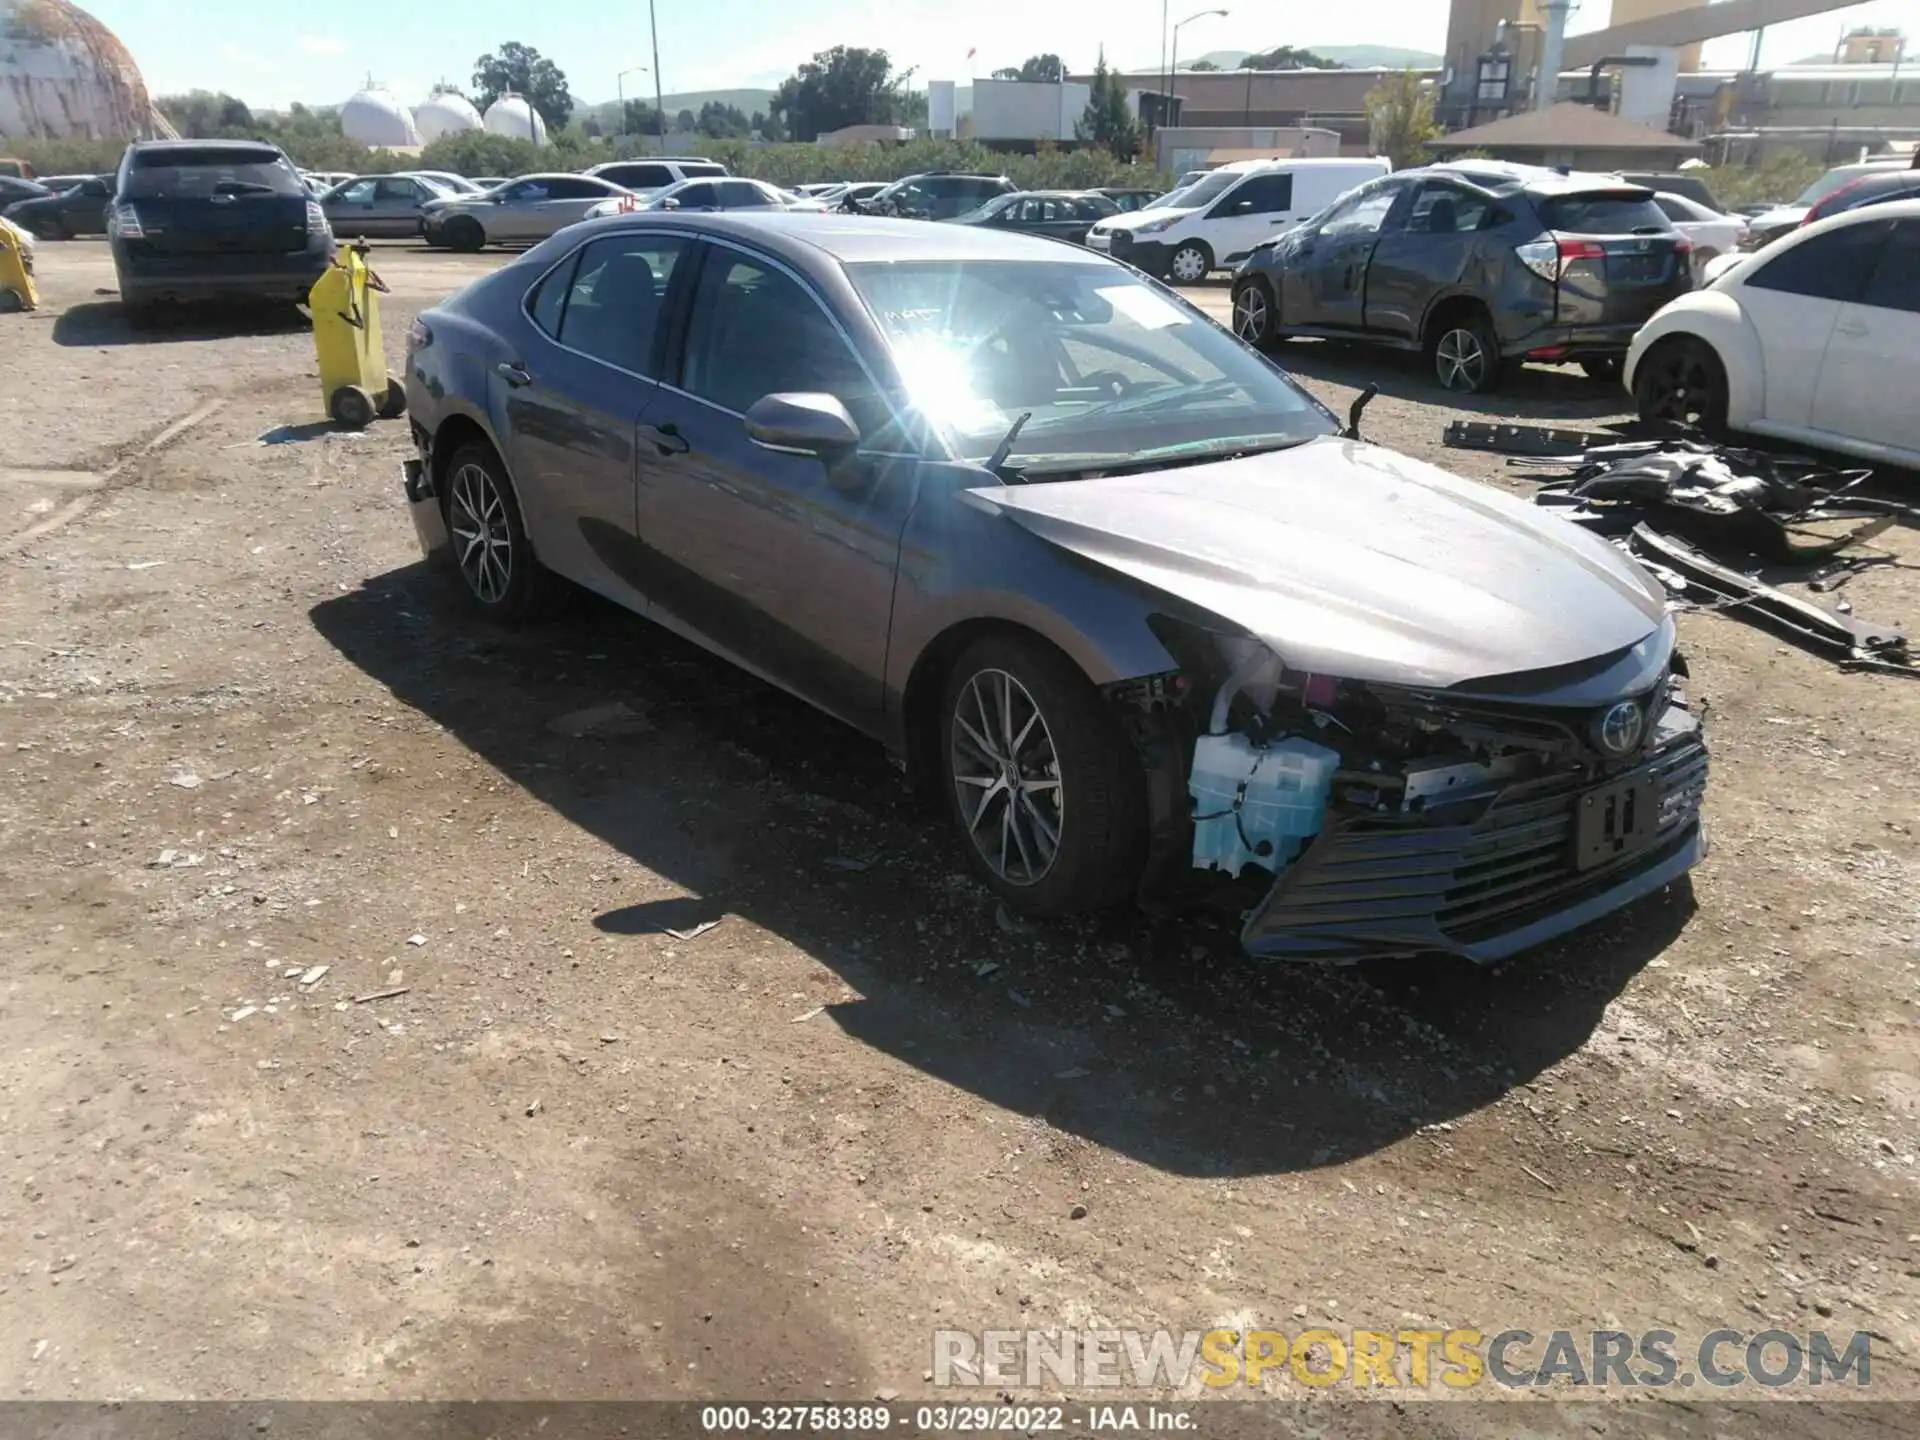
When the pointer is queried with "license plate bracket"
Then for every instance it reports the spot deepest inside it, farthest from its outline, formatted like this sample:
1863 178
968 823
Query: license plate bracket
1615 820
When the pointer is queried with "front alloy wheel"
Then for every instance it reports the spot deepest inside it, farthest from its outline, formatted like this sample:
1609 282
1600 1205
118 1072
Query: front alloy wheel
1682 382
1253 314
482 538
1006 778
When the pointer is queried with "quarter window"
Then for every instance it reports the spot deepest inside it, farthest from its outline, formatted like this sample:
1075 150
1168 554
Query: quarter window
614 302
1833 266
1896 279
755 332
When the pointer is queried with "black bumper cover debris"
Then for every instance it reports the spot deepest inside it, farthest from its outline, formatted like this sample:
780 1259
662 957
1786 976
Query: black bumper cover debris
1856 644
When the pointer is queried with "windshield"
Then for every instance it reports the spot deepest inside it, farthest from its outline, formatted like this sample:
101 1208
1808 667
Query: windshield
1109 366
1826 185
1203 191
992 207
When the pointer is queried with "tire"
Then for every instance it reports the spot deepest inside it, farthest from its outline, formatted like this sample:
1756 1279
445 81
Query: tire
1080 780
351 408
1191 263
1682 381
12 302
393 404
48 229
1465 356
1255 313
465 235
1606 369
489 538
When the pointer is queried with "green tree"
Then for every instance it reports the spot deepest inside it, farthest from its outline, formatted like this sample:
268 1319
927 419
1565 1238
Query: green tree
1286 57
1403 123
843 86
1035 70
521 70
1203 66
639 119
1107 120
684 122
723 122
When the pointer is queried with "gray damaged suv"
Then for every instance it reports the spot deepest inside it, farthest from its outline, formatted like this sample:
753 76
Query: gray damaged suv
1478 267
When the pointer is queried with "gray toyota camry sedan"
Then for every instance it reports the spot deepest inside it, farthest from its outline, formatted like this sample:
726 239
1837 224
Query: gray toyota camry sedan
1145 614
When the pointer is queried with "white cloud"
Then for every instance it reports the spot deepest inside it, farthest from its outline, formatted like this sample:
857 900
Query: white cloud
242 59
322 47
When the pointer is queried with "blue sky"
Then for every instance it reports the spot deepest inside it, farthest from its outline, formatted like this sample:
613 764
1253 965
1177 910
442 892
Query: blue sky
272 54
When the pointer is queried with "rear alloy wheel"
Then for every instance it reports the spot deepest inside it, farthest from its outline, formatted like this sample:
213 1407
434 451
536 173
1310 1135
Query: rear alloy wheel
1044 784
498 571
1682 382
1253 317
1191 263
1466 358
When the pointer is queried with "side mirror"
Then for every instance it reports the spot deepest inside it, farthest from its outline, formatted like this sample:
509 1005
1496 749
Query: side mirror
1243 207
803 423
670 203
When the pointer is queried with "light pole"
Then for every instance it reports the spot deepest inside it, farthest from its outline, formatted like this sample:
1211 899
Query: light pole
659 105
1164 82
620 88
1173 63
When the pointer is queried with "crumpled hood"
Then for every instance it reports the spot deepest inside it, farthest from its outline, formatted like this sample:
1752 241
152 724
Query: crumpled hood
1354 561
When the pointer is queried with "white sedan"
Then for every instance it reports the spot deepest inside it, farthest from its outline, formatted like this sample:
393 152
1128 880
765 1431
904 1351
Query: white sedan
1712 233
1814 340
729 192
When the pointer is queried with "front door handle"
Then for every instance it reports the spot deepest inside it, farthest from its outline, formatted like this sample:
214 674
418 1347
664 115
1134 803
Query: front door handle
514 373
665 438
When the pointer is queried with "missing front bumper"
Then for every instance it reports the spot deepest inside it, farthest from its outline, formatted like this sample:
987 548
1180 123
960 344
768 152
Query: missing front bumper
423 504
1384 886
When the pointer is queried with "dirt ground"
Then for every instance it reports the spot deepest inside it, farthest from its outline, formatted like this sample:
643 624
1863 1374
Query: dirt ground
244 734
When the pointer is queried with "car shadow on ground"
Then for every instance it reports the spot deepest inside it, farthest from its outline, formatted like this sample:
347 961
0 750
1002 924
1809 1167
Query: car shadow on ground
1156 1038
1527 392
106 323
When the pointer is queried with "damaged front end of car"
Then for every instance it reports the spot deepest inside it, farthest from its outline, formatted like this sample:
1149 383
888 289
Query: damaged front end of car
1387 820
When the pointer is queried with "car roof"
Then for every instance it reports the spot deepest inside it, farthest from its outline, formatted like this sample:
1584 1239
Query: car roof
146 147
852 239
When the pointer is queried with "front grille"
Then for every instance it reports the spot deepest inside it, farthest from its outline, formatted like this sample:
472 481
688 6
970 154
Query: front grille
1519 863
1399 884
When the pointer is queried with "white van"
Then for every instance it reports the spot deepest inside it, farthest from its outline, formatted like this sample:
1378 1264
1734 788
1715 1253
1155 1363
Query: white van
1216 222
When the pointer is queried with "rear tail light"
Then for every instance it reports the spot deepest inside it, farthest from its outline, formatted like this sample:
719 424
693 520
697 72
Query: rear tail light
1571 250
126 223
317 220
1549 256
419 335
1682 246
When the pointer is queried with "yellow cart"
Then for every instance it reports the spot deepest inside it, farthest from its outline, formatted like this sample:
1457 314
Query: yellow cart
17 290
355 386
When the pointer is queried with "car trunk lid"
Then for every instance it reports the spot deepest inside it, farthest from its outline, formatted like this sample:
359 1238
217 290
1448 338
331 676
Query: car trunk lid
226 200
1613 256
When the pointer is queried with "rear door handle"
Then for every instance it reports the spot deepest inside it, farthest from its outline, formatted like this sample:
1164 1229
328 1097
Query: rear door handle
665 438
513 373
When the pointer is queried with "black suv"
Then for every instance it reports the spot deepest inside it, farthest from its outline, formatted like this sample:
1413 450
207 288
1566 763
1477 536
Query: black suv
1476 268
213 220
938 195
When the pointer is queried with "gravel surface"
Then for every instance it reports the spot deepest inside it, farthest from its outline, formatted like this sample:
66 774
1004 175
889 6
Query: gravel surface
257 768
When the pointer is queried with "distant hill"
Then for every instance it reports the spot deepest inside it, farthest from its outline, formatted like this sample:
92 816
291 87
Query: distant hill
748 100
1359 57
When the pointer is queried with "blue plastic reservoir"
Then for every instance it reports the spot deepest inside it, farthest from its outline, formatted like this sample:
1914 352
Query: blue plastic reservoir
1257 805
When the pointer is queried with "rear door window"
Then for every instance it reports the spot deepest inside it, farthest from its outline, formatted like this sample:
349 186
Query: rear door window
1441 209
697 169
614 302
1833 266
1896 279
1603 214
639 177
198 172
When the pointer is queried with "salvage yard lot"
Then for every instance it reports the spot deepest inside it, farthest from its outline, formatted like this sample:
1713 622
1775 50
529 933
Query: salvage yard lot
247 735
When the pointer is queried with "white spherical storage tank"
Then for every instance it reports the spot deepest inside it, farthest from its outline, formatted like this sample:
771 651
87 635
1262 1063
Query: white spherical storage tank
65 76
375 118
446 112
513 117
